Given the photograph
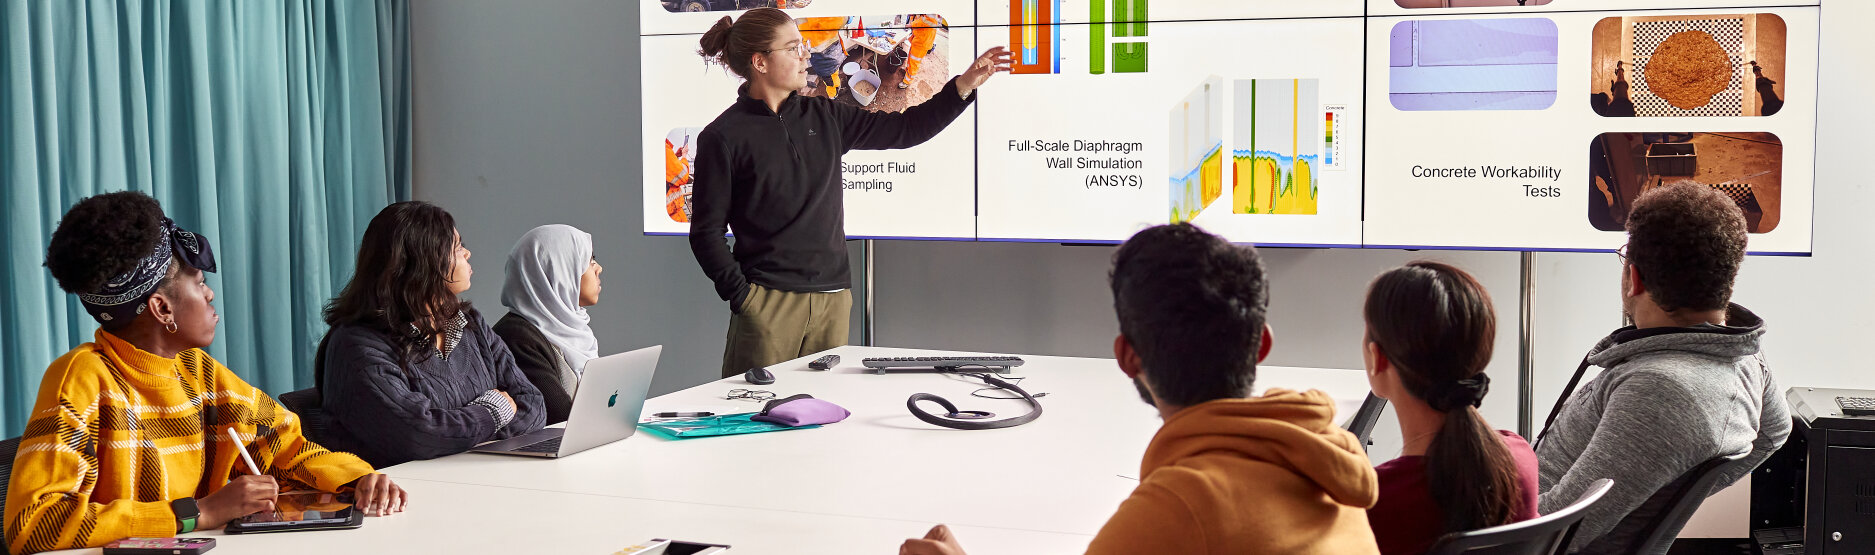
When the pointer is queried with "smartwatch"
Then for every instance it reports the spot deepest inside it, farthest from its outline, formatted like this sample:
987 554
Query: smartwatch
186 514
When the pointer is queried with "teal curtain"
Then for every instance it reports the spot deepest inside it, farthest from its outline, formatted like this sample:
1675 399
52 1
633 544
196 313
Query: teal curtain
277 128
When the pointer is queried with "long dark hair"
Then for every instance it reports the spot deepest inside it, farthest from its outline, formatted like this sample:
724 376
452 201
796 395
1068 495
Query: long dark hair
732 41
1434 322
402 277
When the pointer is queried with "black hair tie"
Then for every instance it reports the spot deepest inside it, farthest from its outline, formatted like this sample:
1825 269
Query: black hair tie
1468 391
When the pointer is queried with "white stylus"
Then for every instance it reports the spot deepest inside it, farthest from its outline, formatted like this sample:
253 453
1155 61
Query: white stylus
251 467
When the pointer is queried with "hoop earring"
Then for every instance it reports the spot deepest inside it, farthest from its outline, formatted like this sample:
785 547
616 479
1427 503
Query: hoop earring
169 326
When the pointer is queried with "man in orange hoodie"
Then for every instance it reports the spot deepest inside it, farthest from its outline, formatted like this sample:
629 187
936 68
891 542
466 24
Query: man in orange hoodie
1227 473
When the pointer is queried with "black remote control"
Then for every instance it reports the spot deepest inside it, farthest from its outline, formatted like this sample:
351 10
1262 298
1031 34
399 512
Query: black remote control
1856 406
824 363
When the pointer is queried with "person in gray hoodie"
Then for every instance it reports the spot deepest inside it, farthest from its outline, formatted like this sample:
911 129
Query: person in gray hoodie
1686 382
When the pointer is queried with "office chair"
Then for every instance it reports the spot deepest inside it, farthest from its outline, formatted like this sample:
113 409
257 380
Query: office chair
1544 535
305 403
1362 425
1682 497
8 448
309 403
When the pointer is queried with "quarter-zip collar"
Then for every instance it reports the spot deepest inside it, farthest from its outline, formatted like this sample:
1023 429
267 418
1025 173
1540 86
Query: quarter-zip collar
758 106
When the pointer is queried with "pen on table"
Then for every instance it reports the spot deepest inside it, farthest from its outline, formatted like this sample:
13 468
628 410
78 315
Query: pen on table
682 414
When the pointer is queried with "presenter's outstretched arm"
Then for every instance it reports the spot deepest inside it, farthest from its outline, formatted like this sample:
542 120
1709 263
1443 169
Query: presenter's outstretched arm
867 130
992 61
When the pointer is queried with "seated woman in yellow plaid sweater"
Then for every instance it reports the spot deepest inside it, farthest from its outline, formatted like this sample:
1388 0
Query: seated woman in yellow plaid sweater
128 435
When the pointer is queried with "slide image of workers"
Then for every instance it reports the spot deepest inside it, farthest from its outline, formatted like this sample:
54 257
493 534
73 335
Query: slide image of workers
881 63
729 5
680 156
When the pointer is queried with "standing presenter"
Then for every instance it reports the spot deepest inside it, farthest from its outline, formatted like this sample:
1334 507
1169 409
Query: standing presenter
768 169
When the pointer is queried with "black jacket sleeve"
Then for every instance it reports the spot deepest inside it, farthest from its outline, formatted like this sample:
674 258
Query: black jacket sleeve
530 410
709 217
367 394
863 130
539 362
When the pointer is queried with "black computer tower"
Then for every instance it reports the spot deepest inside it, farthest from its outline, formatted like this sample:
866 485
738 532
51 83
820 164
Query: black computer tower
1816 495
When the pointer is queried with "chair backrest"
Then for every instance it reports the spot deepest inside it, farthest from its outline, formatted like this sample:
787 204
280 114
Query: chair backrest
313 422
1544 535
309 403
1656 535
302 401
8 448
1362 425
318 368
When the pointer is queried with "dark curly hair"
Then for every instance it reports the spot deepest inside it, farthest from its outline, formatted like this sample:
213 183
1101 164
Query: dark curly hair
1686 240
1193 306
103 236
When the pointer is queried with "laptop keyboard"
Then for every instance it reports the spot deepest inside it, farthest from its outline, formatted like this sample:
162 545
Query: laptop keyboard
543 446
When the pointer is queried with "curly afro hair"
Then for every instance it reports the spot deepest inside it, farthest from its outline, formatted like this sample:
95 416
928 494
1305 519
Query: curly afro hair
1687 240
103 236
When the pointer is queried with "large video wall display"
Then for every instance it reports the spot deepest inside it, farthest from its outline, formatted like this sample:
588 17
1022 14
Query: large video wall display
1464 124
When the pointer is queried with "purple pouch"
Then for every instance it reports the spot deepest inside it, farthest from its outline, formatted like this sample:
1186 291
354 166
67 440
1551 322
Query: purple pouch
801 410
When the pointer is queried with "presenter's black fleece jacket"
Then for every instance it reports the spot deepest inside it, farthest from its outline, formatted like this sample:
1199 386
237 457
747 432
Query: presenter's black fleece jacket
774 179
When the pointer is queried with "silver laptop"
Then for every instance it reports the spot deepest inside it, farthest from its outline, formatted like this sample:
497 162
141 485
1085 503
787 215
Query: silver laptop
606 408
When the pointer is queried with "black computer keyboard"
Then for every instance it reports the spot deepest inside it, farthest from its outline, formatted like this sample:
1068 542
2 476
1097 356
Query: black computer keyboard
1856 406
943 363
543 446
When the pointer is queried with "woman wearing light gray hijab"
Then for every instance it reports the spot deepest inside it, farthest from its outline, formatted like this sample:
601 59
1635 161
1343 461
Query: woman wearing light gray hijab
552 276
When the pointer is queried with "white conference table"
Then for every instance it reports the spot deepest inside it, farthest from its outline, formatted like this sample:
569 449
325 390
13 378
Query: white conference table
857 486
462 518
1065 472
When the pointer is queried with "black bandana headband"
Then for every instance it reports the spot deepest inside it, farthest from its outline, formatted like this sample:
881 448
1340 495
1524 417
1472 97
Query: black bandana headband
122 298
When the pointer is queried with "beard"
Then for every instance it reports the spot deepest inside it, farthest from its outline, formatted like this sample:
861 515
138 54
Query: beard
1144 394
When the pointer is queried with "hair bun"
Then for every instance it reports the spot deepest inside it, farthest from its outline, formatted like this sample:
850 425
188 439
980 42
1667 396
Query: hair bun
716 40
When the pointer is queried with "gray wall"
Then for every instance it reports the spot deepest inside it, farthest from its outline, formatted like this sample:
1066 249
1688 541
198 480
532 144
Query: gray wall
527 114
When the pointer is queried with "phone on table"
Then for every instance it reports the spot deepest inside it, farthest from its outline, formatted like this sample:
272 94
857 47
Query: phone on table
661 546
296 511
159 546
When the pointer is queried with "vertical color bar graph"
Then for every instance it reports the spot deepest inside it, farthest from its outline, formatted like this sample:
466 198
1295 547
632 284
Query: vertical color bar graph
1028 32
1097 36
1129 21
1034 35
1328 139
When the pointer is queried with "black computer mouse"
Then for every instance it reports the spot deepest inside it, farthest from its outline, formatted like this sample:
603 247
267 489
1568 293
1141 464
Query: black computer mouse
759 376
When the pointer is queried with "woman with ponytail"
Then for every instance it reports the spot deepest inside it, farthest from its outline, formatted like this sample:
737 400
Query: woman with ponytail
769 167
1430 328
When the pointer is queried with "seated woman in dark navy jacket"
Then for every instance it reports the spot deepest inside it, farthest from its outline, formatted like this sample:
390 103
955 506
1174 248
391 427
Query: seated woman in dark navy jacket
411 371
